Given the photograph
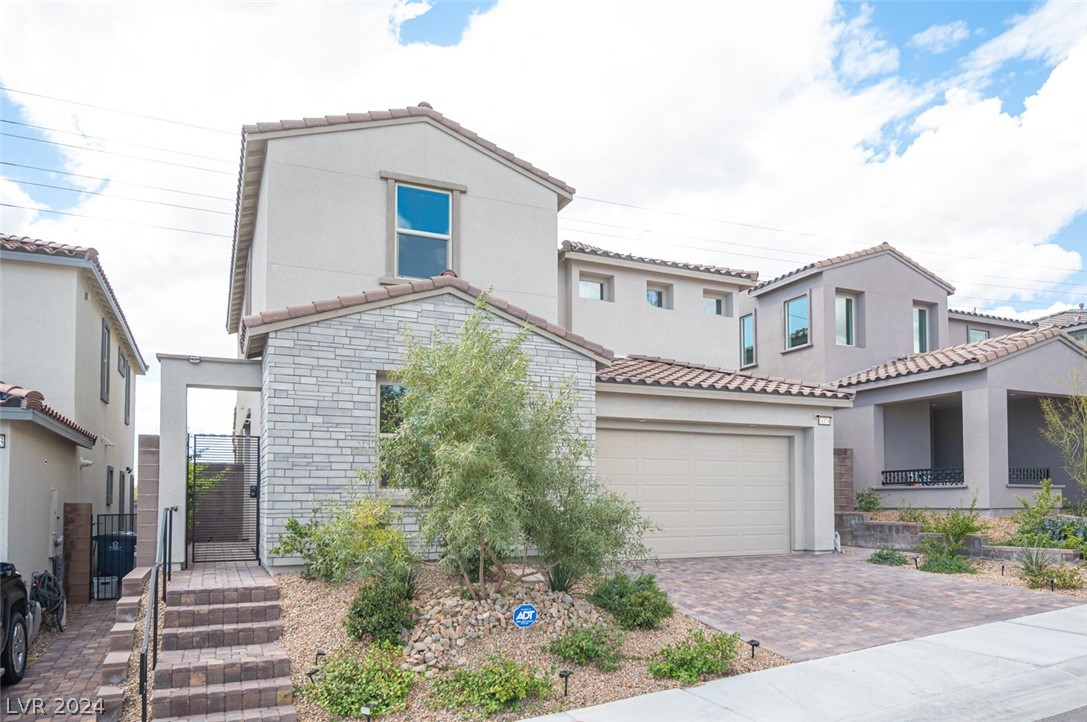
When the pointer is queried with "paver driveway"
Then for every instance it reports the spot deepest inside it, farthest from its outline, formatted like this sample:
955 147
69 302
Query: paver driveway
805 606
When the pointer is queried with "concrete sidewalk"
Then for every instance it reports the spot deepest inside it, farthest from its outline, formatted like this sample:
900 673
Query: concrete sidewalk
1028 668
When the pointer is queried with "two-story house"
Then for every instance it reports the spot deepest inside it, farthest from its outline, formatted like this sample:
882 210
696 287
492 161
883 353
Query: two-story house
356 232
68 362
946 401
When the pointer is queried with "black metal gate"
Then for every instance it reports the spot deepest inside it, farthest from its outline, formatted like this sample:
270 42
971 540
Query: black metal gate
224 498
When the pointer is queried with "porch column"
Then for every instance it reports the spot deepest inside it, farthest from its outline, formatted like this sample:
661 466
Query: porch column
985 441
861 429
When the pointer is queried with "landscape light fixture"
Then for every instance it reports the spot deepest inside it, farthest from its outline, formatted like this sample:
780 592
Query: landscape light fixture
565 675
1001 570
317 658
754 643
916 564
311 673
364 711
1052 584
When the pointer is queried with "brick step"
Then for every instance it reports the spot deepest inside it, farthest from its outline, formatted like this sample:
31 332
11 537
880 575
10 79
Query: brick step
228 613
221 635
115 667
222 698
202 596
219 665
284 713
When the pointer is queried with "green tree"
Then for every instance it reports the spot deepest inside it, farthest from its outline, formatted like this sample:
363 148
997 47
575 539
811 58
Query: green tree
495 463
1066 429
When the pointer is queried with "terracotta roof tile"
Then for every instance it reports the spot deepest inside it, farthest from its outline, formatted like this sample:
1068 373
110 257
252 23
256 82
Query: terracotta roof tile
415 111
978 352
990 317
576 247
838 260
255 321
1061 319
12 396
34 246
653 371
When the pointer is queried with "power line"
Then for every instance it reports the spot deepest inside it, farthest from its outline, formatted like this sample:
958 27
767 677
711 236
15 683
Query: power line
113 152
114 140
116 220
114 180
115 110
123 198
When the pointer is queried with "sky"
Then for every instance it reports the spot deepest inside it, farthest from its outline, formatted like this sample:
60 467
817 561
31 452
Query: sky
755 135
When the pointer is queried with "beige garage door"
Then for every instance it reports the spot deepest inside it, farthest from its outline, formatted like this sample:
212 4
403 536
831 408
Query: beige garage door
712 494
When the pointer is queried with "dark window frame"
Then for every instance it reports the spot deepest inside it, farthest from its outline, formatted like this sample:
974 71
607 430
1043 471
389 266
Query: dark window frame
104 372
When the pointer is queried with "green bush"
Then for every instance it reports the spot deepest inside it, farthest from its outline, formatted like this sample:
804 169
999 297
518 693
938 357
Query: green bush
946 564
590 644
867 500
1038 569
910 513
953 528
696 657
380 610
500 684
562 577
888 556
403 574
375 680
344 538
635 603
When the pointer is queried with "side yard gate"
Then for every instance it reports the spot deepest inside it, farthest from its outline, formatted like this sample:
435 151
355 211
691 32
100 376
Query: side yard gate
224 498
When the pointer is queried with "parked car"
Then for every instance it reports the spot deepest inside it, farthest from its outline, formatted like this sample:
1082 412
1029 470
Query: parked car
19 622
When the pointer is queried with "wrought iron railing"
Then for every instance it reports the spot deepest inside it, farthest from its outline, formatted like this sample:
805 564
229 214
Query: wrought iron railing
1027 475
160 571
924 477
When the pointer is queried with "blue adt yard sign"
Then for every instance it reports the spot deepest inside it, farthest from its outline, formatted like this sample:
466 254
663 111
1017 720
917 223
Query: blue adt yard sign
524 616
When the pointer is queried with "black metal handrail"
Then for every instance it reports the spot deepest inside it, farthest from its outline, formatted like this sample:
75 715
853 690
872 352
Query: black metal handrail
163 558
1027 475
924 477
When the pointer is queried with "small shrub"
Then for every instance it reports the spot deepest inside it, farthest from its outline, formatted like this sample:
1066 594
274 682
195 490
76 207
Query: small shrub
1039 507
380 610
1075 508
561 577
500 684
867 500
635 603
947 564
696 657
403 574
888 556
346 684
910 513
953 526
1039 568
590 644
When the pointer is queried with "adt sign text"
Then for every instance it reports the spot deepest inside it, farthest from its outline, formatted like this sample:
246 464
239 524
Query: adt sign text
524 616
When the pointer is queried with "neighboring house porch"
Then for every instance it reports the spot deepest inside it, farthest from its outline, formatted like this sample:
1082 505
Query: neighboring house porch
933 429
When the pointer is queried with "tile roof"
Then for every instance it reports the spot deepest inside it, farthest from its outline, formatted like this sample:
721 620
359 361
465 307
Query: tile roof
979 352
252 324
33 246
990 317
575 247
12 396
653 371
1061 319
846 258
422 110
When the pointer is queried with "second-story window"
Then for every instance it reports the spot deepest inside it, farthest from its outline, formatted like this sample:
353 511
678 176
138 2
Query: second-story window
658 295
594 288
104 369
920 329
974 335
716 304
845 320
424 221
797 323
747 340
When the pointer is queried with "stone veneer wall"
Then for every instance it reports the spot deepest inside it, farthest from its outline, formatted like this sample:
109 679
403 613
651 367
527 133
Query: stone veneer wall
319 399
843 480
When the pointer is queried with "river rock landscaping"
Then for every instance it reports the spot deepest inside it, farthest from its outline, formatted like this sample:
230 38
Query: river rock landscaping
456 633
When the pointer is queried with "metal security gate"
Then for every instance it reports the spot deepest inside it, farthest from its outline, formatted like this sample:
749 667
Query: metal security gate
224 498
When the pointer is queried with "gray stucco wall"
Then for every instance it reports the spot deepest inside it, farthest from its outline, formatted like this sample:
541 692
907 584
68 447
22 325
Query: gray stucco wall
319 398
958 328
1027 448
907 436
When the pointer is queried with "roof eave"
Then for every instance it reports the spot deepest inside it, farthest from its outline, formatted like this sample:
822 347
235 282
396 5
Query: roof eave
48 423
644 387
734 279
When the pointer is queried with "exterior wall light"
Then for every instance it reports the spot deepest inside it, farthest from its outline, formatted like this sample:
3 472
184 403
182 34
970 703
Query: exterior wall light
822 420
194 359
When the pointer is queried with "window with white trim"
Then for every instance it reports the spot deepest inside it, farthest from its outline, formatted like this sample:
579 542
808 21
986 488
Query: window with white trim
424 231
747 341
104 370
797 322
717 303
920 329
594 288
845 320
658 295
973 335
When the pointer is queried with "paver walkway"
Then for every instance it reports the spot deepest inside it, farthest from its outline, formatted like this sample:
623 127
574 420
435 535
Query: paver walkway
69 671
810 606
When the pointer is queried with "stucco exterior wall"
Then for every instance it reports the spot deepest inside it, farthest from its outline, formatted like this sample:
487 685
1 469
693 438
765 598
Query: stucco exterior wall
627 324
907 436
323 217
812 446
958 328
319 399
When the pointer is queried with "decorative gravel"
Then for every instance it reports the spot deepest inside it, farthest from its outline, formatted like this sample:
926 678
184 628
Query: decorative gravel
312 618
997 528
1006 574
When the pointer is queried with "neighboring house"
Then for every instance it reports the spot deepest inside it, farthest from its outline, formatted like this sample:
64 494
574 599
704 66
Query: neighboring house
345 227
65 341
971 326
1073 322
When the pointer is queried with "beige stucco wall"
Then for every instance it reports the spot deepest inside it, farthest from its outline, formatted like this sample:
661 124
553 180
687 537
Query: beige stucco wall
628 325
321 228
811 445
35 461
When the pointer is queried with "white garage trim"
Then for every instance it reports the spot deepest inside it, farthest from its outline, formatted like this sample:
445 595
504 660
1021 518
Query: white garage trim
713 492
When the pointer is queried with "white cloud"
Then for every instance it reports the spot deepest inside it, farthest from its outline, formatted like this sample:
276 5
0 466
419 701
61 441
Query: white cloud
740 116
405 11
940 38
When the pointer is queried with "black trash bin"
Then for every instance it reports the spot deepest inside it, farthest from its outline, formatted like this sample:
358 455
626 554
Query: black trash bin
116 554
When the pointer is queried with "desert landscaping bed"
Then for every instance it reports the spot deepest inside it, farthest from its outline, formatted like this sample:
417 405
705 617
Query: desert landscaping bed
469 632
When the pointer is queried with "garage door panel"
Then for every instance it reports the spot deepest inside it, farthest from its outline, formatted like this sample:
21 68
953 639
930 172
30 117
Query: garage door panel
712 494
